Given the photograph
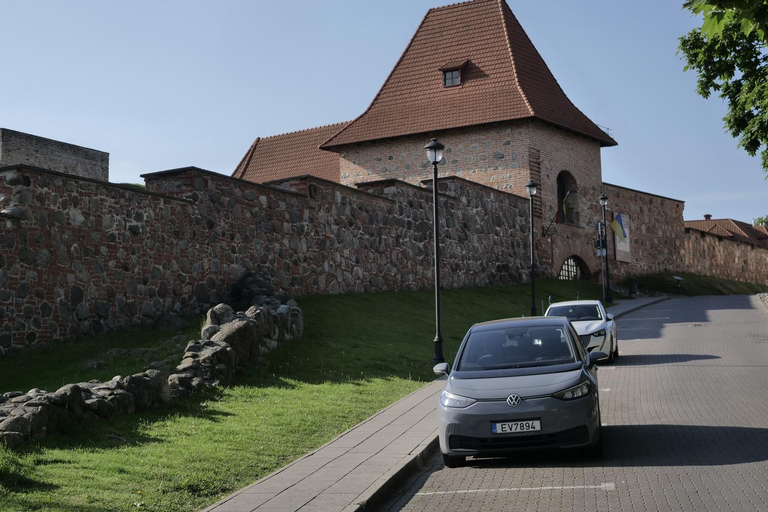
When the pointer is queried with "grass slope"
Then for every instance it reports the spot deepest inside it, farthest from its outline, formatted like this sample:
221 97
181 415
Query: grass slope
359 354
693 284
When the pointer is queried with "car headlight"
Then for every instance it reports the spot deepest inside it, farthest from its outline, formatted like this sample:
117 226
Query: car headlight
599 334
451 400
579 390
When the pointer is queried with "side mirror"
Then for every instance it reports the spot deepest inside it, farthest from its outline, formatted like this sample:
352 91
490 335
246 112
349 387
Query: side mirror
595 356
442 368
610 316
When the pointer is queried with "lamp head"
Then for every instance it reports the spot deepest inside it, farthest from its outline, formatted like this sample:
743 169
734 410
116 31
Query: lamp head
603 200
532 187
434 151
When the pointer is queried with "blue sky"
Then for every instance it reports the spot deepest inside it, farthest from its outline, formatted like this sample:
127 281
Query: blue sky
167 84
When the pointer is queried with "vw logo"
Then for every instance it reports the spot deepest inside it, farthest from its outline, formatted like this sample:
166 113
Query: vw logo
513 400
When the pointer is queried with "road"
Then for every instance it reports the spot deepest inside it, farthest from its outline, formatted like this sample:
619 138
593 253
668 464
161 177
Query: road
685 426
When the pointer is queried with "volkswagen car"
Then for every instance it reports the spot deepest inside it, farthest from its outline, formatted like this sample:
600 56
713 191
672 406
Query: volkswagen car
519 384
595 327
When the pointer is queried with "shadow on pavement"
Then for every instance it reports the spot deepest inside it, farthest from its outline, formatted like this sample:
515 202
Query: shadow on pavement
656 359
653 445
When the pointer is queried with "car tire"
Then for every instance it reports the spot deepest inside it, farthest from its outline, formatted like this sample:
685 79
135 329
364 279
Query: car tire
616 349
610 357
453 461
595 451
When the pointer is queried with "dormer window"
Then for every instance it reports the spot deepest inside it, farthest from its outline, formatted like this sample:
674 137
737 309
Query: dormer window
451 78
452 72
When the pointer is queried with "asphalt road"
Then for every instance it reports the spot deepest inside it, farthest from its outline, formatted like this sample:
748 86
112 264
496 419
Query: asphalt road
685 426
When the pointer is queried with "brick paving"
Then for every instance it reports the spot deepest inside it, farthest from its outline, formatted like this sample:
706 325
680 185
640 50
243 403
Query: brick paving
685 425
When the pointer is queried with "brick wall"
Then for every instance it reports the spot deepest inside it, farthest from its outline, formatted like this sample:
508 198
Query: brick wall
79 256
23 148
504 156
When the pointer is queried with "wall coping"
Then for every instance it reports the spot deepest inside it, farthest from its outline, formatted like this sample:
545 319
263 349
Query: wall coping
642 192
327 182
198 170
130 188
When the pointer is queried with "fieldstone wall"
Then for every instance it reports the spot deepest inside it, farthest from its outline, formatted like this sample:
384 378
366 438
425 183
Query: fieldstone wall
712 255
80 256
26 149
656 232
239 340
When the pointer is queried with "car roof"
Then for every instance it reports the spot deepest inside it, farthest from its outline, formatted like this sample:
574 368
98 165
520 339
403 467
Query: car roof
530 321
576 303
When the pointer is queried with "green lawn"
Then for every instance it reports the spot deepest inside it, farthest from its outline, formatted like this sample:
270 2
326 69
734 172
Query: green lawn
359 354
694 285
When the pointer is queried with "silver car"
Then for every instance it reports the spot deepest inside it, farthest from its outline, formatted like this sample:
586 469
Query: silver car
519 384
595 327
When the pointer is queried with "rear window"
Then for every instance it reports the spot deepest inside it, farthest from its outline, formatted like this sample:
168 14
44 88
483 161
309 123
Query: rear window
516 347
577 313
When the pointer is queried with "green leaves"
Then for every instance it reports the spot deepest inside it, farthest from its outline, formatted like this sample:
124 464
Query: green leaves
729 55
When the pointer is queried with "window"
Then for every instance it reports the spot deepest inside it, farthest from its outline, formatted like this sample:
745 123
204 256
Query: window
567 199
574 269
451 78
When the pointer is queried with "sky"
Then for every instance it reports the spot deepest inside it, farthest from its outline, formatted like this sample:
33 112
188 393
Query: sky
167 84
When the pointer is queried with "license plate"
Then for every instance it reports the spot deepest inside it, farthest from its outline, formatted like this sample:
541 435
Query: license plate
513 427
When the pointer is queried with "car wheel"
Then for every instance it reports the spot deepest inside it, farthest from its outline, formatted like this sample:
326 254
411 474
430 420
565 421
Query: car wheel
453 461
595 451
616 349
610 356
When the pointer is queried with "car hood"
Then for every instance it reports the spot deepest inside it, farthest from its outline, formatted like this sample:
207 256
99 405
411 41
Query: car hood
499 388
588 326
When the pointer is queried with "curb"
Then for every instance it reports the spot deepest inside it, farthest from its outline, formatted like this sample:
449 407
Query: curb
396 477
403 471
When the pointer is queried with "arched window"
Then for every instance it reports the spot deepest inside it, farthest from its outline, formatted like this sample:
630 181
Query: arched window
574 269
567 198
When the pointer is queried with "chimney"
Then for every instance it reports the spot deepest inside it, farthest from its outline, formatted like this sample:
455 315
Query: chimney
707 216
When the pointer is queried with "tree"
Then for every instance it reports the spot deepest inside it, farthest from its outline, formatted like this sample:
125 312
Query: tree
762 221
751 15
728 52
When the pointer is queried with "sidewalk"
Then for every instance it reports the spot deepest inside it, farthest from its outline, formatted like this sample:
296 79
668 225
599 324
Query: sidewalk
358 469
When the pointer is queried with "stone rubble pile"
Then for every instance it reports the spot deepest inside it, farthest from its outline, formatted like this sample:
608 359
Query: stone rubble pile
230 343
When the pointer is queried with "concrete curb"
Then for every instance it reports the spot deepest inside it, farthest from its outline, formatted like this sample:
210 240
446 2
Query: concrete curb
388 483
407 468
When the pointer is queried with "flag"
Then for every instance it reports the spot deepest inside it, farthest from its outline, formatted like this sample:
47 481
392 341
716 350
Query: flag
618 227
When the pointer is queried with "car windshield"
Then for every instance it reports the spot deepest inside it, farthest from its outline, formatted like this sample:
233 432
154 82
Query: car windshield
516 347
577 313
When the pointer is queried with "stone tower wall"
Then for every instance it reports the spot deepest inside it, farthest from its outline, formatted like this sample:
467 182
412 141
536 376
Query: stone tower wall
31 150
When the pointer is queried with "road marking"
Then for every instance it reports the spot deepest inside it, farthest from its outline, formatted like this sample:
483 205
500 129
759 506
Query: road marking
605 389
609 486
641 319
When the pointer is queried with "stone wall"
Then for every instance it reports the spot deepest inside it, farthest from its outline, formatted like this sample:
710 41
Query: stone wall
79 256
712 255
31 150
656 232
503 156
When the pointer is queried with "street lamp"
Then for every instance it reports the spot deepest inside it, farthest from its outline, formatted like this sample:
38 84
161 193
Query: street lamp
532 188
608 295
434 155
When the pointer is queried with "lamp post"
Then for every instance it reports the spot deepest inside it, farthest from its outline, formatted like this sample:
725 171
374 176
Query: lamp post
608 295
532 188
434 155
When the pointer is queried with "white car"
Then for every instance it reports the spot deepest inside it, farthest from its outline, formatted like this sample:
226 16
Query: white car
595 327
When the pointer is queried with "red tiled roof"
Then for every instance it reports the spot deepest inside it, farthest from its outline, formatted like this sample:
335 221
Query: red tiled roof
505 79
291 154
734 229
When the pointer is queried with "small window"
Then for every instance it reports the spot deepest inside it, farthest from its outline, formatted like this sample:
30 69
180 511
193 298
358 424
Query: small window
451 78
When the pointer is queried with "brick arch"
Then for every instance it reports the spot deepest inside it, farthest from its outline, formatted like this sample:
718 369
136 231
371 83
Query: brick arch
575 265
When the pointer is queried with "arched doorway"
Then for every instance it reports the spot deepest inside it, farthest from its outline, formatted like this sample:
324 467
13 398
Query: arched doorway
574 269
567 198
